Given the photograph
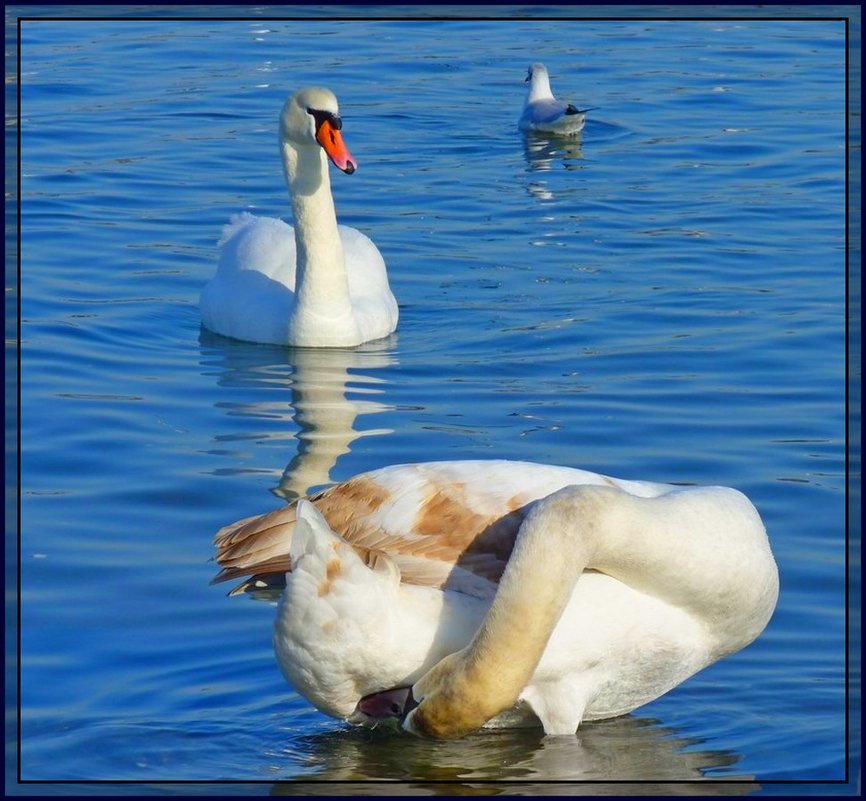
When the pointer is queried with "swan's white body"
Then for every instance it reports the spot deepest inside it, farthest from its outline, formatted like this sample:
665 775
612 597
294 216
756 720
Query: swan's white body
567 595
543 113
316 284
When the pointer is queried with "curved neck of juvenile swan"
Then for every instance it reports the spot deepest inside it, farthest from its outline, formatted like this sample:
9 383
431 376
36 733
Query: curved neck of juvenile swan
485 678
703 550
321 283
531 598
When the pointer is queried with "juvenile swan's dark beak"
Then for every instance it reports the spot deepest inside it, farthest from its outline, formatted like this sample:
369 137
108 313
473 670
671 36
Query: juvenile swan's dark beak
391 705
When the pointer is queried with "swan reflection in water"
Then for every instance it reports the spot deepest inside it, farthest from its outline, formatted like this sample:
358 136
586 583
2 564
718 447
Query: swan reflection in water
317 382
625 749
325 416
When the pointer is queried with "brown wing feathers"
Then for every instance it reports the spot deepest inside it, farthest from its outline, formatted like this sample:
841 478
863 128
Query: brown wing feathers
449 539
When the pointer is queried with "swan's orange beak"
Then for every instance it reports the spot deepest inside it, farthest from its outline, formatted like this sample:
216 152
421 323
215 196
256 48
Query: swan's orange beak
331 140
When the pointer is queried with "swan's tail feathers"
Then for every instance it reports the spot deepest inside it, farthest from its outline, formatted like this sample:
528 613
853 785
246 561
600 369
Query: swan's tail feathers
314 537
236 224
260 550
312 532
256 547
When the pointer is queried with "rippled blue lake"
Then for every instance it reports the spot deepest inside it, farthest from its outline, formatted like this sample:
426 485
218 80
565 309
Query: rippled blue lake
662 299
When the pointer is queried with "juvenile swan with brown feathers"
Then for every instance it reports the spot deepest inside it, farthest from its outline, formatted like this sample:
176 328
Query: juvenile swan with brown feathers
455 595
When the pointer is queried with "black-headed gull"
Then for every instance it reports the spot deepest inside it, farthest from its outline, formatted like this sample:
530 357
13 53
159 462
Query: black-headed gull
543 112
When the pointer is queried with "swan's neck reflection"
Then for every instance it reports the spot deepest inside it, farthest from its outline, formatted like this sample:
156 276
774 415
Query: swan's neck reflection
324 415
308 385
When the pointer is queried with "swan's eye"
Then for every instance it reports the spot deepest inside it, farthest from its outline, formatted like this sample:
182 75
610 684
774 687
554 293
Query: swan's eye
321 116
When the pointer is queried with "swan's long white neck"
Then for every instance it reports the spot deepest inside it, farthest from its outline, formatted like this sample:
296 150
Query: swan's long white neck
321 282
539 86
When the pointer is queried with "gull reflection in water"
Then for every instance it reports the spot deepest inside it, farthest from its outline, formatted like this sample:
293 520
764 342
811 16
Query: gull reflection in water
544 153
323 388
626 749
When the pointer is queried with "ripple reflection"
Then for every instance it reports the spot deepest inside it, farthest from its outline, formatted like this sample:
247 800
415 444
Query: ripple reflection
324 387
626 749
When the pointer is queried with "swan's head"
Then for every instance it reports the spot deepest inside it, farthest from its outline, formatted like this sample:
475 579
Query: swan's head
445 702
311 118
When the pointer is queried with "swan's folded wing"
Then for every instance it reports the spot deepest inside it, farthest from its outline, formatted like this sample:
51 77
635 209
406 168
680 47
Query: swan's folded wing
449 525
256 540
438 531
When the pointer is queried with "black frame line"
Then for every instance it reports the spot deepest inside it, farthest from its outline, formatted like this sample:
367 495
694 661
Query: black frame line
577 17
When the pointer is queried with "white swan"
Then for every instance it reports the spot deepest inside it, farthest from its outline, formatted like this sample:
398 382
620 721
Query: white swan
319 284
498 593
542 112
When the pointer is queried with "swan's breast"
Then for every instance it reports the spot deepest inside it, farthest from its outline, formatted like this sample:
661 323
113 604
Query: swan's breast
344 630
619 648
373 303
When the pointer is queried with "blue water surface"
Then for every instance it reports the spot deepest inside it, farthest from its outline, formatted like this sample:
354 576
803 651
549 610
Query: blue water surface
662 299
